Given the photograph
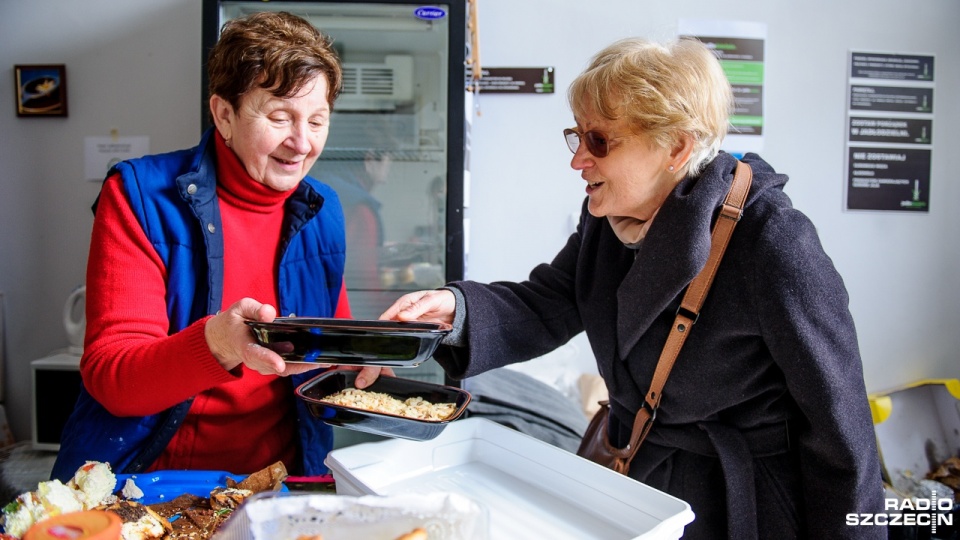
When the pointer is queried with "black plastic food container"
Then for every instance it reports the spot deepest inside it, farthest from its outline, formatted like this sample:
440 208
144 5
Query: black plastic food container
349 341
389 425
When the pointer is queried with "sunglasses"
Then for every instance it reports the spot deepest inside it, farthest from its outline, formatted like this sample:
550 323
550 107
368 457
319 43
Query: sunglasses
597 143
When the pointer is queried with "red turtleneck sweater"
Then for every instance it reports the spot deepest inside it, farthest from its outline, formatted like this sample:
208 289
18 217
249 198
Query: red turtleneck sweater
240 421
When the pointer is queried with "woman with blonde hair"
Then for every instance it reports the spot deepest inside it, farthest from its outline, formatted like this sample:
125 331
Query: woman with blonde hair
763 425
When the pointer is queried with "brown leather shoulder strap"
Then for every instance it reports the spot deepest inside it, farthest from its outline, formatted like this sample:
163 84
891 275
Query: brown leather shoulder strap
730 214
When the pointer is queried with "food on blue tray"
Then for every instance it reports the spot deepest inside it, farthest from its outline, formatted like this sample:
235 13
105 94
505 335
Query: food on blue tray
95 481
139 522
267 479
130 490
196 518
228 498
91 486
179 516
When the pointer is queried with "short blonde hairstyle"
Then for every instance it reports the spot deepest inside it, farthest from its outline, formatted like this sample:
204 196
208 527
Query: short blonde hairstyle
662 90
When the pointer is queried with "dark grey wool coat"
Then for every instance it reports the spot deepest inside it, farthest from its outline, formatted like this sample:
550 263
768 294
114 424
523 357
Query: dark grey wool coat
764 427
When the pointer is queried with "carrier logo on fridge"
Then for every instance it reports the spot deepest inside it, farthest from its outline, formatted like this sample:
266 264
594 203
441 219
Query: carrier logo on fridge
430 13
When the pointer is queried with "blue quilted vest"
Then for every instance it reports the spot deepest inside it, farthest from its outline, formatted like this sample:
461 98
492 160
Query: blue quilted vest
174 198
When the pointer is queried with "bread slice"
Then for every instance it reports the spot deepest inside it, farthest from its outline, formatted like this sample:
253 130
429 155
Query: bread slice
268 479
190 516
175 507
140 522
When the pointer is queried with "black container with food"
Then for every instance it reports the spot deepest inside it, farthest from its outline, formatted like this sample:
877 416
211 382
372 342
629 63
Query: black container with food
387 424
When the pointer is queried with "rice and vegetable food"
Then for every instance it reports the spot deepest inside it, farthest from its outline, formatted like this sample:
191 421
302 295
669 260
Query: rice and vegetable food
415 407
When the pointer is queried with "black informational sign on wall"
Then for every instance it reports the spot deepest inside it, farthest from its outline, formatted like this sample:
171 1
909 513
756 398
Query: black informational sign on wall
888 179
897 67
891 99
889 132
537 80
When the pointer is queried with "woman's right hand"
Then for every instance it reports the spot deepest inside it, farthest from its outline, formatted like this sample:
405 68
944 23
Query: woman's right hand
425 306
232 343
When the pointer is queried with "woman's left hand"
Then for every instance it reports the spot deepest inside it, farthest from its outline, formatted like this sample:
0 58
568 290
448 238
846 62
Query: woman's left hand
368 375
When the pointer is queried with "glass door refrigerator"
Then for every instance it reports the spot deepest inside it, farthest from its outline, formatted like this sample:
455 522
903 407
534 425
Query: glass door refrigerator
396 150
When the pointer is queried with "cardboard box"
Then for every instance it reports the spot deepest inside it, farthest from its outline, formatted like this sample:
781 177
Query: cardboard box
530 489
918 428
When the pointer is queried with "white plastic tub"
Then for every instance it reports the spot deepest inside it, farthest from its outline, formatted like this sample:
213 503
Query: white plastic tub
530 489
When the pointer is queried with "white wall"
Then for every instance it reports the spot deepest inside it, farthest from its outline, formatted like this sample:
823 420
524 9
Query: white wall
131 66
135 66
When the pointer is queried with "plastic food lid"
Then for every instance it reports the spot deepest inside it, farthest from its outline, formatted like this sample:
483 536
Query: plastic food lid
86 525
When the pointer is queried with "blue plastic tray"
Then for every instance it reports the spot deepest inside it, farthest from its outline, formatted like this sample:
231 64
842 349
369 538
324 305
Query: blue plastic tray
162 486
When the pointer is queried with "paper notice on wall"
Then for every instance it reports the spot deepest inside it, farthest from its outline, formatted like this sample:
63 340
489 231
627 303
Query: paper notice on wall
101 153
740 48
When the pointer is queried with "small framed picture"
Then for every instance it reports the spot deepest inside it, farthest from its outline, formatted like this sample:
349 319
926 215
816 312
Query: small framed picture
41 89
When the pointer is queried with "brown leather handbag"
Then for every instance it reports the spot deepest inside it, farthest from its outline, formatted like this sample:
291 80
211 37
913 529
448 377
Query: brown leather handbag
595 445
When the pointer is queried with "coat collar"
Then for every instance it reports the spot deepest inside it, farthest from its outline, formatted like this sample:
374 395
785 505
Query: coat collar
673 252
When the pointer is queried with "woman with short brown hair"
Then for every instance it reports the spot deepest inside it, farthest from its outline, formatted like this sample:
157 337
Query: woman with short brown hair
190 245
